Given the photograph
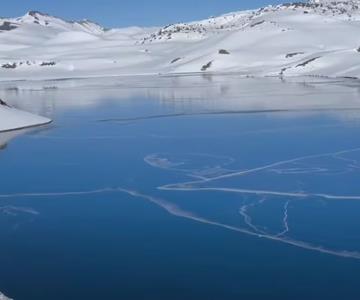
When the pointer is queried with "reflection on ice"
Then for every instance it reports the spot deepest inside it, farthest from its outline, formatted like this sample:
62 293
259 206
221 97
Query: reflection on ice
189 95
6 137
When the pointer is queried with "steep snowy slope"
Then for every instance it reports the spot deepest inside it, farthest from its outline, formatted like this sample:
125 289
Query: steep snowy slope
314 38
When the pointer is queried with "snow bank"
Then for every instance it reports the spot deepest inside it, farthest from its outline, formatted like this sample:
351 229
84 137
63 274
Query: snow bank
12 119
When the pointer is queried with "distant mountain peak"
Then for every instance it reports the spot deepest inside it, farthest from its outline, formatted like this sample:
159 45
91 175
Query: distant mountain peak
349 4
34 13
34 17
332 1
344 9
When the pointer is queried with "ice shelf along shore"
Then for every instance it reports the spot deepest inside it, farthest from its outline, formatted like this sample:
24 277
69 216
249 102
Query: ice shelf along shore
13 119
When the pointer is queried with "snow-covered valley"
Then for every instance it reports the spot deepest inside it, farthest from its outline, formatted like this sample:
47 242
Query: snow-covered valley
317 38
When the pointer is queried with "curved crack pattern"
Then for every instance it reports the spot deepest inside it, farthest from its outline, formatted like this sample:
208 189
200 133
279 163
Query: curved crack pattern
297 166
175 210
285 220
248 219
217 172
15 211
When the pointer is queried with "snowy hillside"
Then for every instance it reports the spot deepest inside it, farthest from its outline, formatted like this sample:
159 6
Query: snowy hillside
318 38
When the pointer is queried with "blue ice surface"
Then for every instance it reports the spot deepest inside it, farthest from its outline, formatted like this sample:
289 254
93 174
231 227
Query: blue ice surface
183 189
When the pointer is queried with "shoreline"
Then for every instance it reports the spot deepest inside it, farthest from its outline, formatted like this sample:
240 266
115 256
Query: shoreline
183 74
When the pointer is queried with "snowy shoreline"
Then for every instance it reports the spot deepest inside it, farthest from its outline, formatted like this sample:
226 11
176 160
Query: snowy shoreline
14 119
240 75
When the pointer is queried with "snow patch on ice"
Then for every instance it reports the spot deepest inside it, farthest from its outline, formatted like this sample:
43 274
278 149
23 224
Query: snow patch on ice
3 297
11 119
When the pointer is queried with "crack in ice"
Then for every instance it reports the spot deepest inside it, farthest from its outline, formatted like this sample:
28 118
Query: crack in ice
248 219
254 231
191 186
14 210
285 220
178 212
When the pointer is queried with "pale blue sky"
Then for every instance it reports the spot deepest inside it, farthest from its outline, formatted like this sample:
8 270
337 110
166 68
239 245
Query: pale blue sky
115 13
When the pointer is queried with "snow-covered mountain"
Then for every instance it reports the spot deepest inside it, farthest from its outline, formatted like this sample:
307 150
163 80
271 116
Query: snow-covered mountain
34 18
318 37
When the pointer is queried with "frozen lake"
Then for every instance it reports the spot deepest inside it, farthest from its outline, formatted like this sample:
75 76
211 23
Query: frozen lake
192 187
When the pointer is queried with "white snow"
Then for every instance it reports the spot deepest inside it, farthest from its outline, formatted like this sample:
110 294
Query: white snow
317 38
11 119
3 297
